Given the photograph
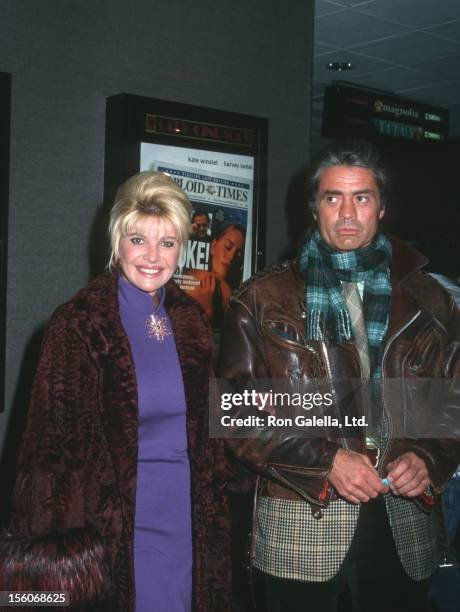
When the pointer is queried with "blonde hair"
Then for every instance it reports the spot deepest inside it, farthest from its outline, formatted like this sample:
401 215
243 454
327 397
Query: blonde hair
146 195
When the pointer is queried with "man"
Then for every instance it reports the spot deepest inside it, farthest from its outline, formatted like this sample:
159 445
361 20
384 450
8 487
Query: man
200 224
334 509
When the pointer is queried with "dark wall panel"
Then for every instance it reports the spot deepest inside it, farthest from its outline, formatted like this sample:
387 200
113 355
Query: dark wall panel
66 57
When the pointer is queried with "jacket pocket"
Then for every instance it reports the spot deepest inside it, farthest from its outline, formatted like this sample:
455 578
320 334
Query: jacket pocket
289 355
284 332
425 357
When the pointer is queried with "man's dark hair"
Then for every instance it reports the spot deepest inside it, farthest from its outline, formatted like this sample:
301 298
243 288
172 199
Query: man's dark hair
353 154
199 212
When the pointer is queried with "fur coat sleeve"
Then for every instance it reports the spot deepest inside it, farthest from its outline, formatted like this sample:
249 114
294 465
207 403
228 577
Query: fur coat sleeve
50 544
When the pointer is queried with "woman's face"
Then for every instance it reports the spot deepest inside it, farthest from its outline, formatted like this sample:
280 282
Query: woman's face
224 250
149 254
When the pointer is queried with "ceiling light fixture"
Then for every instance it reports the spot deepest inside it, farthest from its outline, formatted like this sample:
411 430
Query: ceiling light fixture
339 66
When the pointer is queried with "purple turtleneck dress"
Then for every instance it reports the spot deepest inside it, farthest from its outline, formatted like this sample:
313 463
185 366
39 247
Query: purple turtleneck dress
162 537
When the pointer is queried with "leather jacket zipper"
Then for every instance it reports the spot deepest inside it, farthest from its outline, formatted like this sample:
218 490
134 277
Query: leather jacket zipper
329 373
389 343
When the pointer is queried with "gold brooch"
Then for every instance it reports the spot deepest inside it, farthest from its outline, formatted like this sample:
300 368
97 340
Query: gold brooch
158 327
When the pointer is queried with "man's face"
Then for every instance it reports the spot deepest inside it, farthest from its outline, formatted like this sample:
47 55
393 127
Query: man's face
348 207
200 225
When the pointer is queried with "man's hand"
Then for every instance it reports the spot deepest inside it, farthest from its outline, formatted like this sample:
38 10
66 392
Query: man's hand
354 478
408 475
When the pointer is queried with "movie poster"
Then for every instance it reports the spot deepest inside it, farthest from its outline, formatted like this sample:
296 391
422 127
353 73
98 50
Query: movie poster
220 187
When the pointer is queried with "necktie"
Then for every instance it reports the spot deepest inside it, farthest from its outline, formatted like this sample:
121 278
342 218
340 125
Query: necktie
355 310
377 432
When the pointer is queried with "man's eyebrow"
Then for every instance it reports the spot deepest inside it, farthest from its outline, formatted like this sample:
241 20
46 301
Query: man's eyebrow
367 190
340 192
331 192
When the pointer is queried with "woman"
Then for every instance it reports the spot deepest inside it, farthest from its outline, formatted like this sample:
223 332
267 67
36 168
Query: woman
119 488
216 286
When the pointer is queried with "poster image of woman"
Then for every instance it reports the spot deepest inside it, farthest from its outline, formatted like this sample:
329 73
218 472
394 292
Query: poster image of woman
225 271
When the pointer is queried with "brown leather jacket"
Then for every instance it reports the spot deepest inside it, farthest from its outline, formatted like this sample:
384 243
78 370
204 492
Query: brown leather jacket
264 337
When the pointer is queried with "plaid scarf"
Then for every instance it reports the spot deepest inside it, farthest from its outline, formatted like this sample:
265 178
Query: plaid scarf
323 269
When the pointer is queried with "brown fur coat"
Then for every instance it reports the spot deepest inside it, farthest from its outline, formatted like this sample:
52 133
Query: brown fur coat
73 507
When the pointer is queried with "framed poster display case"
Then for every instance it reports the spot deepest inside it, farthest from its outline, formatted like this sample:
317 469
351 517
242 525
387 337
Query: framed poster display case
5 110
219 159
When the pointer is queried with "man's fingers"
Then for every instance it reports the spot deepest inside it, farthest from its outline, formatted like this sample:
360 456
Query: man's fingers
357 497
408 475
403 479
396 469
362 491
410 491
365 490
354 478
413 488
